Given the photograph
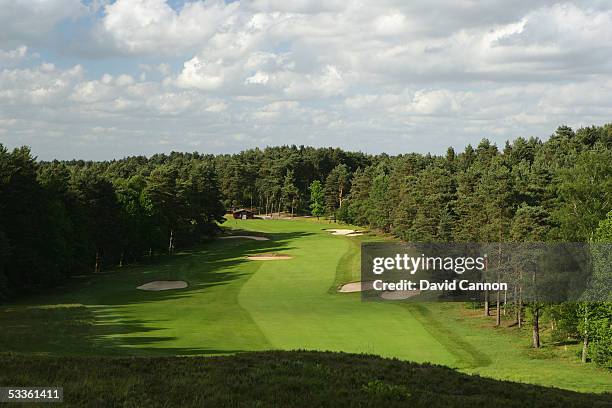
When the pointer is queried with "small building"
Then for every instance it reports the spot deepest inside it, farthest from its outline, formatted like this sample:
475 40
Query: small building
243 214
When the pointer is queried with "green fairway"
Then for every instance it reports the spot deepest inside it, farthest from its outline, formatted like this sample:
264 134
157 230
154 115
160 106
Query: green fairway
233 304
291 304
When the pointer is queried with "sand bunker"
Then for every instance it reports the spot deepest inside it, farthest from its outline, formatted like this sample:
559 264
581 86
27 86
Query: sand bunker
355 234
399 294
163 285
256 238
341 231
268 257
356 287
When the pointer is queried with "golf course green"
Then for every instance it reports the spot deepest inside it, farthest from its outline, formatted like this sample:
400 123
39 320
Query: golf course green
233 304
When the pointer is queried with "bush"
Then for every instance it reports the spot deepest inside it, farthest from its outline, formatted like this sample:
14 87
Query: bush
600 351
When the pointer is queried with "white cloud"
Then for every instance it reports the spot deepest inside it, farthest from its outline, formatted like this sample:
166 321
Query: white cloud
435 102
141 26
357 74
37 86
328 82
201 74
216 106
258 77
274 110
390 24
13 57
125 80
90 91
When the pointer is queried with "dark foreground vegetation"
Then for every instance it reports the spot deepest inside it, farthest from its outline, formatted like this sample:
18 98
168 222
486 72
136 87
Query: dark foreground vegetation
276 379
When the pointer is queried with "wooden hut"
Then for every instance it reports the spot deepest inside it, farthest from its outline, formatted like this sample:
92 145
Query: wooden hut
243 214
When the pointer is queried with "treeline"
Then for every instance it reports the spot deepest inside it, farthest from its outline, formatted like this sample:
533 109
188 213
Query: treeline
529 190
558 190
277 179
63 218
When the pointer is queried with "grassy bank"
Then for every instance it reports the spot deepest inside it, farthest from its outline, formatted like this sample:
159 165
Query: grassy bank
283 379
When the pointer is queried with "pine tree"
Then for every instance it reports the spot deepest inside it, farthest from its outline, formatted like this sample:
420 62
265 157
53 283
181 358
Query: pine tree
289 191
337 186
317 199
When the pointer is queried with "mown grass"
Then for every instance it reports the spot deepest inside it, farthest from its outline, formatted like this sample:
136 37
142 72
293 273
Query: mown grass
292 305
231 305
276 379
234 305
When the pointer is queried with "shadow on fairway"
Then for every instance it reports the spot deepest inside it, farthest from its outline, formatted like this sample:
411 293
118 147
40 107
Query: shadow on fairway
85 316
80 330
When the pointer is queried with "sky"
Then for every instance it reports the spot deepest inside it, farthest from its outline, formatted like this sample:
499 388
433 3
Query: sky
96 79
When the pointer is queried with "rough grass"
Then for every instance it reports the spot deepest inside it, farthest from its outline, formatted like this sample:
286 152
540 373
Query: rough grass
276 379
505 352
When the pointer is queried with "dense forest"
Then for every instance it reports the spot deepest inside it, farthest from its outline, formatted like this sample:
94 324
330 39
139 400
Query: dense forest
63 218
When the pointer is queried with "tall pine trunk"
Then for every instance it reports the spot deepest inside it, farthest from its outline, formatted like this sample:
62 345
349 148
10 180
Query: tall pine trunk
171 242
520 303
98 265
498 297
536 317
536 328
515 301
519 308
486 292
585 339
498 311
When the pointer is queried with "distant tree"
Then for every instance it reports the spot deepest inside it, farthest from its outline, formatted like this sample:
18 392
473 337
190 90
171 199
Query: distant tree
337 185
469 207
163 196
5 289
29 231
289 191
595 314
496 192
233 182
200 190
378 210
96 197
317 199
585 194
434 193
358 198
58 227
530 223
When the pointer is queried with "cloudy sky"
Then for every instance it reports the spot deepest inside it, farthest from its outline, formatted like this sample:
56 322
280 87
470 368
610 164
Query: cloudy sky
102 79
